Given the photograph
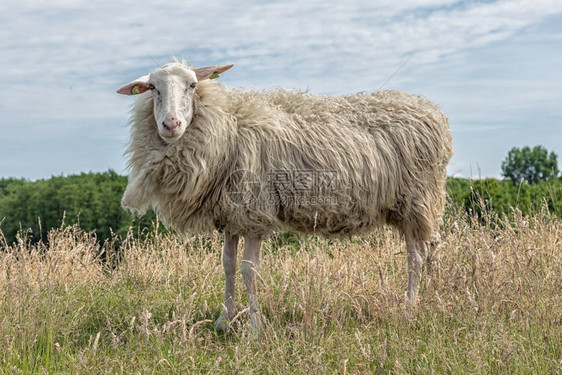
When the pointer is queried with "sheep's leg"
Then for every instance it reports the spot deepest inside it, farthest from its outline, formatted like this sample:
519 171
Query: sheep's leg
229 251
140 185
249 266
137 195
417 250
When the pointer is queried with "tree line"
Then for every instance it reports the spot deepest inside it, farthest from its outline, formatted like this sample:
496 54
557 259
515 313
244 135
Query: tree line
92 200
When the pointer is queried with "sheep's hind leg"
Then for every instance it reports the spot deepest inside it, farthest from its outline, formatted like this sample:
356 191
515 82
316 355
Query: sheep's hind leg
417 250
249 266
229 251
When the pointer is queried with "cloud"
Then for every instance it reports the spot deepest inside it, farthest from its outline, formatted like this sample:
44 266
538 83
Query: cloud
63 39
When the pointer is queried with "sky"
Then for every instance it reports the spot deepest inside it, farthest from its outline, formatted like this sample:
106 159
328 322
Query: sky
493 67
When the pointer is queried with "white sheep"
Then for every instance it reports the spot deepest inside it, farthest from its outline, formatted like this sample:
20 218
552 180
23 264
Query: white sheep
207 157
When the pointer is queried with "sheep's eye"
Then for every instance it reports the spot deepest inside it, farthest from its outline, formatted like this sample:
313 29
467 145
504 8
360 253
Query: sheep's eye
153 89
193 85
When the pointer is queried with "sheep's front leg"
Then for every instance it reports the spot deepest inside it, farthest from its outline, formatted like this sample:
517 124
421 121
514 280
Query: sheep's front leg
137 195
249 266
417 250
229 251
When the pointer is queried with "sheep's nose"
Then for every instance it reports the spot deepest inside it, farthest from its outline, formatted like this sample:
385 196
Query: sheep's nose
171 123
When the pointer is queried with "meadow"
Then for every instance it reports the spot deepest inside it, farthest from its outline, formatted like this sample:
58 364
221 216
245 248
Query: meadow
491 303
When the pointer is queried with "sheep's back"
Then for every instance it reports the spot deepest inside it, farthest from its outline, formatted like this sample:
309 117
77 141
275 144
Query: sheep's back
379 152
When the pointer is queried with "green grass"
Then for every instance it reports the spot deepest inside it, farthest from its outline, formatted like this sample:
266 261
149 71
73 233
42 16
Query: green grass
491 303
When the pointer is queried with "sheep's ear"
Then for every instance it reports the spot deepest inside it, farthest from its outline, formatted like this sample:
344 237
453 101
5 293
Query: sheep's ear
138 86
211 72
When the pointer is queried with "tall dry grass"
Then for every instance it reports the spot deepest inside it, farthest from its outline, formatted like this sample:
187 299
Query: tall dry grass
491 302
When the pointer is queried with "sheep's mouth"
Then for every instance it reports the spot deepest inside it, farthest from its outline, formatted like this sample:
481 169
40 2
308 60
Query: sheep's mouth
169 135
170 132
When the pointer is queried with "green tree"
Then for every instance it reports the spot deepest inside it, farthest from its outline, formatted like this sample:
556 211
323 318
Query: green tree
532 165
91 200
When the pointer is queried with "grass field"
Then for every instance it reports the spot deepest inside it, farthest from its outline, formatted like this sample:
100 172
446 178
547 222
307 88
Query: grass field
491 302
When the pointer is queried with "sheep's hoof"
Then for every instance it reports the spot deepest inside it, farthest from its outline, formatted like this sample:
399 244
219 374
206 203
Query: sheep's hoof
224 320
222 323
256 324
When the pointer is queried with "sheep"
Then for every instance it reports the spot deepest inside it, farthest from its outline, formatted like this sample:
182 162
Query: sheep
208 157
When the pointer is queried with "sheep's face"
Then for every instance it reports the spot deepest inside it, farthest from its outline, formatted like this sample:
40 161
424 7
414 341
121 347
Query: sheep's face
172 87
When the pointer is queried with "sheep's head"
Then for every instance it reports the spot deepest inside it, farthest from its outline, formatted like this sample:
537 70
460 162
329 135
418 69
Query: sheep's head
172 87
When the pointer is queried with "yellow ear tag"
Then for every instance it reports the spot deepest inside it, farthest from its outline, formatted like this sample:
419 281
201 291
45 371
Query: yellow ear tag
213 76
135 90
